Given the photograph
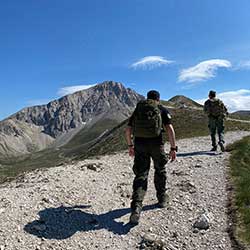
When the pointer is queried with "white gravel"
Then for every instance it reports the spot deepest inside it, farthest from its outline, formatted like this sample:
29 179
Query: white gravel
86 205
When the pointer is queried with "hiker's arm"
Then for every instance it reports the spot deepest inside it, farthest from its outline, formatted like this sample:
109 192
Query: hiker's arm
171 136
225 110
128 134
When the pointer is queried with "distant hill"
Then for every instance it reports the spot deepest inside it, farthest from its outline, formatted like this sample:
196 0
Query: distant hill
242 112
241 115
180 101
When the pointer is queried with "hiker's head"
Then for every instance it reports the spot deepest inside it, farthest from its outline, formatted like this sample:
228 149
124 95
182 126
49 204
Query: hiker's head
212 94
153 95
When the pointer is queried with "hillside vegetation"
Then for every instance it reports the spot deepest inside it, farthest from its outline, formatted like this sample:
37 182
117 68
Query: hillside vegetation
240 171
187 123
241 115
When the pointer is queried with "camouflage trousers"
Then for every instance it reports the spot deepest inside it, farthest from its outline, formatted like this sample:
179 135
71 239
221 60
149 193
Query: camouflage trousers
216 124
143 155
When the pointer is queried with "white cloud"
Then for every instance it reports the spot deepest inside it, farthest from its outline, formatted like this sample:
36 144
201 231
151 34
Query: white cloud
150 62
71 89
244 65
203 71
38 102
234 100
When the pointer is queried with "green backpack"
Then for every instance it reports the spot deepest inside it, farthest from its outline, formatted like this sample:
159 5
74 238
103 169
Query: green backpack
215 107
147 119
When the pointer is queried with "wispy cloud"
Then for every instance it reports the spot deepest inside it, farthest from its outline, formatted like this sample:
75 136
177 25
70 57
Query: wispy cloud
37 102
61 92
71 89
203 71
243 65
150 62
234 100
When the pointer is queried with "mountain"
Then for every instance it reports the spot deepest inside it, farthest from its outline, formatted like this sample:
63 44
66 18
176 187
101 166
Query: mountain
36 128
180 101
241 115
242 112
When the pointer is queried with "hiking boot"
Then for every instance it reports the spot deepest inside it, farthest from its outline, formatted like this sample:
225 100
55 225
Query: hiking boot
222 146
214 148
164 201
135 216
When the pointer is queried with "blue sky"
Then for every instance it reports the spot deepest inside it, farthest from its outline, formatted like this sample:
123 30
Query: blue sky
50 48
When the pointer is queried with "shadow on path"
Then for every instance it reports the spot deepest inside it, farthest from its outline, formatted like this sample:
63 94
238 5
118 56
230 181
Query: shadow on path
62 222
198 153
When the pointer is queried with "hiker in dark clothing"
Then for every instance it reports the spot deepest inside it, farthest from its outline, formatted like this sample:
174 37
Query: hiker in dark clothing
146 125
216 112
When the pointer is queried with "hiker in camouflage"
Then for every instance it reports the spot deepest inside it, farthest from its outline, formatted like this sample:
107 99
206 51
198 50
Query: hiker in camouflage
216 111
146 125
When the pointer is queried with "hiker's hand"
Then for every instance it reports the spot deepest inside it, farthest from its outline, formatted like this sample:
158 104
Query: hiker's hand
172 155
131 151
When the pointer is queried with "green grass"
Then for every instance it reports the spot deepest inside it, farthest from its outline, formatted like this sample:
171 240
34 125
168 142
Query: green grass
236 125
187 124
240 171
10 168
85 136
78 145
240 117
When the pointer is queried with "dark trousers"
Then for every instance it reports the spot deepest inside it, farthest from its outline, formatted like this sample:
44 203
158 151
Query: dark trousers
216 124
143 154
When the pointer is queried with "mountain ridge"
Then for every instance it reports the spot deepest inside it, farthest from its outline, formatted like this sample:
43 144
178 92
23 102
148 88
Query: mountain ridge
50 121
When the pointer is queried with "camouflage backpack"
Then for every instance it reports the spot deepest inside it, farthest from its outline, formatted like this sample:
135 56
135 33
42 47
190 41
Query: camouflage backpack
147 119
215 107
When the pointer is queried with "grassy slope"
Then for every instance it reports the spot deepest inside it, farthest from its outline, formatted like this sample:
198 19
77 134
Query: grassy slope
240 117
187 123
54 156
240 171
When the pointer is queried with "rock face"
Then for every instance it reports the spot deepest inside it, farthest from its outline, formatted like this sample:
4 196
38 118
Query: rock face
34 128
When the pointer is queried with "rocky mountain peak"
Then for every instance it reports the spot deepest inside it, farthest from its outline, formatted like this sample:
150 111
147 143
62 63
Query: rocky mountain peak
110 85
107 100
75 109
111 89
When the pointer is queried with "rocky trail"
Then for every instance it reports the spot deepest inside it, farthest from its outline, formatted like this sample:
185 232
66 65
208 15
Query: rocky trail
238 120
86 205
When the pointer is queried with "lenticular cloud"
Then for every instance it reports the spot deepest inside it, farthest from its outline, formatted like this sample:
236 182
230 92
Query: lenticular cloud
71 89
203 71
150 62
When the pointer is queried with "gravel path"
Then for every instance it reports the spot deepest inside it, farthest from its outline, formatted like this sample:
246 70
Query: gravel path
238 120
86 205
